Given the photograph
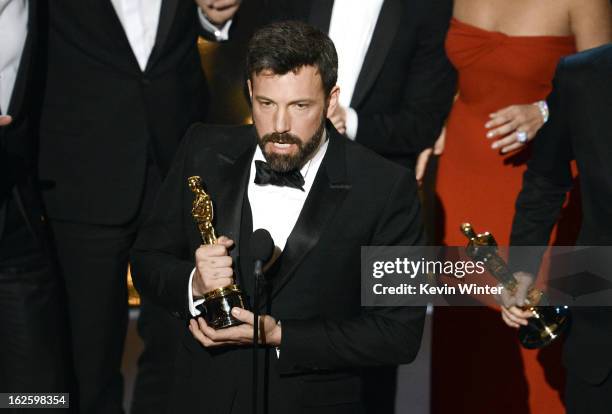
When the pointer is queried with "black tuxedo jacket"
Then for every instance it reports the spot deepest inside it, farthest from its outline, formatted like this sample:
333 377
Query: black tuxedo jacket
19 141
406 84
357 199
578 129
103 118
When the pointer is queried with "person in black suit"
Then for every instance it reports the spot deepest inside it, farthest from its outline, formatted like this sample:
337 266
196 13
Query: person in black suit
404 84
124 82
578 129
295 175
33 348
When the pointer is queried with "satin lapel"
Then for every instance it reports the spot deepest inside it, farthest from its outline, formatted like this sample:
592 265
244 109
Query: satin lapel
320 14
166 18
229 194
243 260
329 189
386 27
229 198
111 24
230 205
114 28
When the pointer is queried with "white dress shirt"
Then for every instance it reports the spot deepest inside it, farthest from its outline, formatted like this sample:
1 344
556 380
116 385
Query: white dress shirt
351 28
140 20
13 33
274 208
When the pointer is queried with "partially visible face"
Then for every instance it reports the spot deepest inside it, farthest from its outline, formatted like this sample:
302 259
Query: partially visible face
289 113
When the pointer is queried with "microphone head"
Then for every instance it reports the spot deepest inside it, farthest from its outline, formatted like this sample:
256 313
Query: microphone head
262 245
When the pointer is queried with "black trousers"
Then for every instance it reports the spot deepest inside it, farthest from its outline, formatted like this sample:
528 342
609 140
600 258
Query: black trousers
161 334
32 353
584 398
33 335
93 261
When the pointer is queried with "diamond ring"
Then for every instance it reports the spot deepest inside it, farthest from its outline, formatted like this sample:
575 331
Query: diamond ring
521 136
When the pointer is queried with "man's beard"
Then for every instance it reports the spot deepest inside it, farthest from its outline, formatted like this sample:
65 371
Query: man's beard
287 162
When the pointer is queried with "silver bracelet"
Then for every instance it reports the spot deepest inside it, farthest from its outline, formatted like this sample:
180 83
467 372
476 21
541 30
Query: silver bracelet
543 107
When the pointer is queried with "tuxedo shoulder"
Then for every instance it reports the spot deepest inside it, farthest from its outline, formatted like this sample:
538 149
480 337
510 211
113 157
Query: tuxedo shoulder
583 61
364 163
203 137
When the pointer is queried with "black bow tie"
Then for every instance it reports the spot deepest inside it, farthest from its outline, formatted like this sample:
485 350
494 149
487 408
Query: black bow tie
266 175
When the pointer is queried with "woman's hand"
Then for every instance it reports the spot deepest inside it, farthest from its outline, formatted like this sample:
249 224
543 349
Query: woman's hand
512 127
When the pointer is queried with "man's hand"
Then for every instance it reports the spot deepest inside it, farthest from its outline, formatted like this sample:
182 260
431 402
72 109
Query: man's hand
269 331
338 118
5 120
438 147
213 267
512 302
218 12
421 164
423 158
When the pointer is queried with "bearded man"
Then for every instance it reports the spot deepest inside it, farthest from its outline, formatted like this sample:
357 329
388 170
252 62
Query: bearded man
321 197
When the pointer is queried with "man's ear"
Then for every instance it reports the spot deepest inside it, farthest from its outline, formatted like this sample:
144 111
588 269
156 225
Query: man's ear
250 90
333 100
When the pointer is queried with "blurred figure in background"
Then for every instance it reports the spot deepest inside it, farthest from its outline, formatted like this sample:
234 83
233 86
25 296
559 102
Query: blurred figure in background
33 339
579 129
505 54
396 83
124 82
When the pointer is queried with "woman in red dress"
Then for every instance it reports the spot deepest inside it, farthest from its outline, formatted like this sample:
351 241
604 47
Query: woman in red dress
505 53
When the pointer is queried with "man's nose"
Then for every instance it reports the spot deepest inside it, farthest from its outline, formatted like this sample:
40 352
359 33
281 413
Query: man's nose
282 121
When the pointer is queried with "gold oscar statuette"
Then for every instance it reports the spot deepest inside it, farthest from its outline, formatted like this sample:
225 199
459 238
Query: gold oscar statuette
218 303
547 322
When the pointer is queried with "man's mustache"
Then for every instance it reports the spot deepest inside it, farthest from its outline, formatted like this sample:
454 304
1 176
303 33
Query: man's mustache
281 138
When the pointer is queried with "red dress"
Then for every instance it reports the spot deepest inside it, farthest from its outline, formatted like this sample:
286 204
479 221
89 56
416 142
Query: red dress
487 371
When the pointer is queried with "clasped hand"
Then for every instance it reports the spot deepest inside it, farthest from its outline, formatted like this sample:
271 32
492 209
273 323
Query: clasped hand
213 271
512 302
269 331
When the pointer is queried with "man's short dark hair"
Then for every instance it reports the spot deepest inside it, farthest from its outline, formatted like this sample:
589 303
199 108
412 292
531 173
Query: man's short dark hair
288 46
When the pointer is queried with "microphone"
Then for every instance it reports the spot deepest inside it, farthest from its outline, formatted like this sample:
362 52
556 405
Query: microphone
262 248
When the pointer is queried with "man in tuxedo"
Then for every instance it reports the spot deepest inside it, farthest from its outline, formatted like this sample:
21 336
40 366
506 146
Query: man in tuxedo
124 82
295 175
578 129
33 346
397 83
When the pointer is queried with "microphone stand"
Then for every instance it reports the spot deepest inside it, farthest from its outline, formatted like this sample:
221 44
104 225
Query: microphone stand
258 273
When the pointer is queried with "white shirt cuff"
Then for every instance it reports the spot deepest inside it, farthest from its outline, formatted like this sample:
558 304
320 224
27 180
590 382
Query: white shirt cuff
192 304
351 123
220 34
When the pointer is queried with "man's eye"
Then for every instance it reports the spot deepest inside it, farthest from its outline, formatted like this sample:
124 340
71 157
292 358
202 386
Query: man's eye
302 105
265 103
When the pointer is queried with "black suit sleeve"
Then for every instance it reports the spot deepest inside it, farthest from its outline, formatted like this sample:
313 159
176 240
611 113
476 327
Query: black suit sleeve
161 261
546 182
379 335
427 96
